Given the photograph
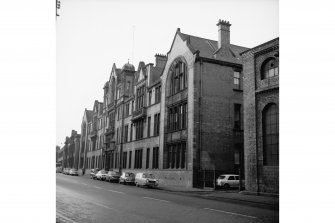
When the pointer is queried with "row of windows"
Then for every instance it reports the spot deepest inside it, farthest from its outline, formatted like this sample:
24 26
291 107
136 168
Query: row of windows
157 95
177 117
176 156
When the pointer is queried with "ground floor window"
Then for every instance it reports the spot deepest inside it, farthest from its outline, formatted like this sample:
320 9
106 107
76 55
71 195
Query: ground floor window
138 158
155 157
176 155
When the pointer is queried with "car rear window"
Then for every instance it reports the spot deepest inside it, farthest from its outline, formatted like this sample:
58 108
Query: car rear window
237 177
231 178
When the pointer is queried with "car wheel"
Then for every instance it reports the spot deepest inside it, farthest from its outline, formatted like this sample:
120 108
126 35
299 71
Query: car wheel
226 186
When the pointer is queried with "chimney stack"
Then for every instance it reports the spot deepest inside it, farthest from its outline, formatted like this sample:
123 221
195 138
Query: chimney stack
224 33
160 60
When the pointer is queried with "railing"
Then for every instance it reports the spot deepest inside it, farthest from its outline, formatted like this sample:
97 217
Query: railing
139 113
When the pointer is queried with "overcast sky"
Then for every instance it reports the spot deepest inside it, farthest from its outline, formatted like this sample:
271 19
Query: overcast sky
94 34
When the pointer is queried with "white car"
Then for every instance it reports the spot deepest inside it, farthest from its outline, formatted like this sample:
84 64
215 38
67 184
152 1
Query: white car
146 179
101 175
228 180
73 172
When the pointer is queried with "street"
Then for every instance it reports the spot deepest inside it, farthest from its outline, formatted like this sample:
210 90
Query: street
79 199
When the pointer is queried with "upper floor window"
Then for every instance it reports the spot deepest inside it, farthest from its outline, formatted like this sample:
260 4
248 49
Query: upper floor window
270 68
140 97
237 79
271 135
178 78
149 99
158 94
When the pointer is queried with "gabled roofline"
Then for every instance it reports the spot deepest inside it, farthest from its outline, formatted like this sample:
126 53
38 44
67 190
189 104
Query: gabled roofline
270 41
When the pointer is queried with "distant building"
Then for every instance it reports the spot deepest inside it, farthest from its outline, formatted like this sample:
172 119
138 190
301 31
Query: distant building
261 117
85 139
71 150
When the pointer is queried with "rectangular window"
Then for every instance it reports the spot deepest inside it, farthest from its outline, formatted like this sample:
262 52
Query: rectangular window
148 158
124 160
149 125
156 124
158 94
237 116
138 158
126 133
176 156
237 79
131 132
129 162
155 157
139 127
140 97
149 99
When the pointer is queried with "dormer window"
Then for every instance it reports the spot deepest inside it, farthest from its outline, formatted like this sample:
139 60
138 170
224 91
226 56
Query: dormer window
270 69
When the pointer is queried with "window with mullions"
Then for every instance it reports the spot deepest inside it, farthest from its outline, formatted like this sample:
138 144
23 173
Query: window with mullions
237 79
138 158
178 78
271 135
140 97
270 69
176 156
177 116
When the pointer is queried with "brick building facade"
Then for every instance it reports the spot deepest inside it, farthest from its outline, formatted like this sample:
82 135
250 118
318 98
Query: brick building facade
182 115
261 117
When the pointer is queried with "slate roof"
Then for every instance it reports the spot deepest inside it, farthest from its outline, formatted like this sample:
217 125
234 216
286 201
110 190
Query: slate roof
208 47
89 115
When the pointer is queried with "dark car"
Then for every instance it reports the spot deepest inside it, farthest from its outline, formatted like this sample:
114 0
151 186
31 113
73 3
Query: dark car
93 173
113 176
127 178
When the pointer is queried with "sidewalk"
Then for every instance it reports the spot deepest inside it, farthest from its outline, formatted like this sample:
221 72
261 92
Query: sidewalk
229 195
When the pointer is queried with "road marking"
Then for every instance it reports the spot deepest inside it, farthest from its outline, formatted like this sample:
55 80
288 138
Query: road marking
84 184
97 187
66 218
155 199
102 205
116 191
227 212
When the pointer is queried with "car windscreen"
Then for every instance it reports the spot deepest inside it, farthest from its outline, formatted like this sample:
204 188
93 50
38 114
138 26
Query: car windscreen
148 175
129 174
222 177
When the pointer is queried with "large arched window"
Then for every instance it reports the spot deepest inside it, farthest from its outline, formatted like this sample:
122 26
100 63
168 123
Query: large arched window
270 68
178 78
271 135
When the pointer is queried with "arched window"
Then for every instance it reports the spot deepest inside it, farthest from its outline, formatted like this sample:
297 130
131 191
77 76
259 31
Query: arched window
271 135
270 68
178 78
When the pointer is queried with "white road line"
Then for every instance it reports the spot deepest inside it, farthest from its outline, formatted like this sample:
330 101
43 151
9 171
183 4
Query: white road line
66 218
97 187
114 191
155 199
227 212
102 205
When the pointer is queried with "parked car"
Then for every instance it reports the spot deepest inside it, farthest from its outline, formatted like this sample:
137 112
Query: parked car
228 180
59 170
66 171
93 172
101 175
146 179
127 178
113 176
73 172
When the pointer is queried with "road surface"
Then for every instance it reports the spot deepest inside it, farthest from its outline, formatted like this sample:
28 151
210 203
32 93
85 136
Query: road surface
81 200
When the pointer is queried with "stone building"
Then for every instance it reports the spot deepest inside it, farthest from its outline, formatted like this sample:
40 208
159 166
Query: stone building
201 108
85 139
95 135
261 117
71 150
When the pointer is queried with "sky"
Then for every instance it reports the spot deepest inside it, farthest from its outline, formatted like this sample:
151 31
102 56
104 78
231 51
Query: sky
94 34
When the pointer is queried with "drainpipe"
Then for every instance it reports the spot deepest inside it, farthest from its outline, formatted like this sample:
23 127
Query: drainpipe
199 111
256 116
